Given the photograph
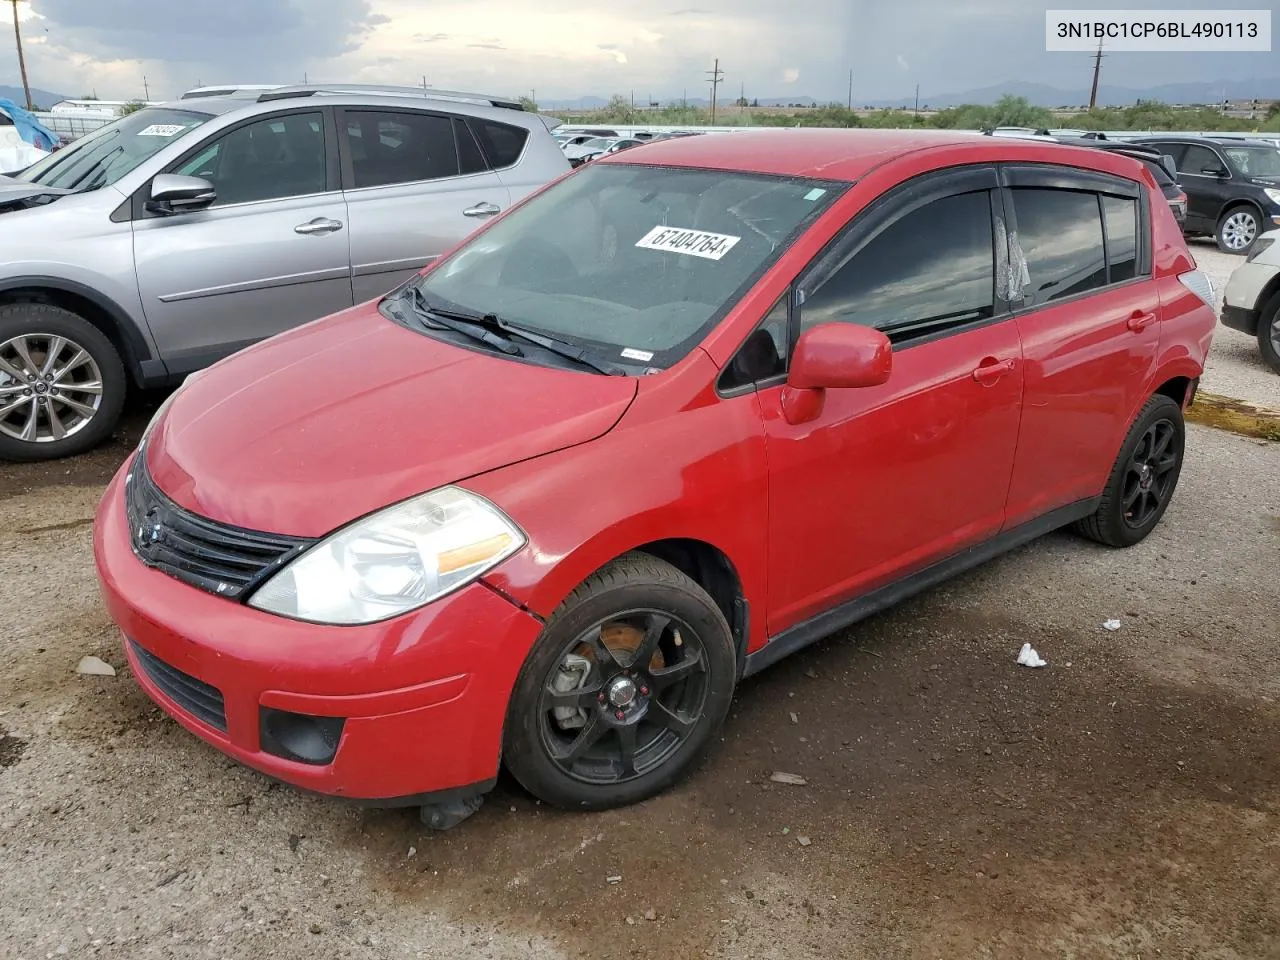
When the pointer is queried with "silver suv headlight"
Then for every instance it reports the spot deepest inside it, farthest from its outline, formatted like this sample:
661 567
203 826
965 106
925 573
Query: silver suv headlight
393 561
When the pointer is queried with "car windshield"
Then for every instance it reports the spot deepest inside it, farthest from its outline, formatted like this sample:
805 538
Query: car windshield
1255 161
636 262
110 152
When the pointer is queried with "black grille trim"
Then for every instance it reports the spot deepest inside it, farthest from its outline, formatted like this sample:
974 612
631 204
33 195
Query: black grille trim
201 700
218 558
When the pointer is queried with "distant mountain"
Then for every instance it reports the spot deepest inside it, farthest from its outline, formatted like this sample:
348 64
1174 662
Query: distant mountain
1042 95
43 99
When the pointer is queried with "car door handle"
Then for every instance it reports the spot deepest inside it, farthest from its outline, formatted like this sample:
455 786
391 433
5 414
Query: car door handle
317 226
482 210
992 370
1140 321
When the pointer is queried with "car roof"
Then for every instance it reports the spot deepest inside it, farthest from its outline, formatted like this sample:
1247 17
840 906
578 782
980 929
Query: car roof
836 154
1216 141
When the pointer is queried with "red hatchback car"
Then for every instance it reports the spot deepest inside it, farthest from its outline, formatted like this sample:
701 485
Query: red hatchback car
671 419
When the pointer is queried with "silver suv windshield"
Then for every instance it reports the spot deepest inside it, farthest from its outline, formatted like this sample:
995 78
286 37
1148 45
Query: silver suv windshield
635 262
110 152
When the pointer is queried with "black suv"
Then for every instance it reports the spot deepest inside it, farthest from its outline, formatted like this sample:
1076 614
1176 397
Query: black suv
1233 186
1151 157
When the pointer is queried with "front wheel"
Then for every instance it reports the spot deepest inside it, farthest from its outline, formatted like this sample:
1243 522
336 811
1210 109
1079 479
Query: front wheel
62 384
1269 333
1143 478
625 688
1238 229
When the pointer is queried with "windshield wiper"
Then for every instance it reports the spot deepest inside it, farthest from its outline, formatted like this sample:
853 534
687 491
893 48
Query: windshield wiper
458 324
492 322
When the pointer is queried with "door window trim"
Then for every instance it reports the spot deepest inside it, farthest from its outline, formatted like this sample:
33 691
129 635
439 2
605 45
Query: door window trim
346 161
1073 179
138 201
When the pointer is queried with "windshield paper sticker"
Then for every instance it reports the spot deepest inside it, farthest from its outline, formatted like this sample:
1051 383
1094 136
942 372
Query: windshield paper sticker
161 130
814 194
694 243
632 354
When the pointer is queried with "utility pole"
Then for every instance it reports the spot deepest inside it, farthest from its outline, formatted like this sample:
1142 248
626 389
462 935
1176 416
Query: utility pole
146 90
850 91
22 63
716 75
1097 69
917 110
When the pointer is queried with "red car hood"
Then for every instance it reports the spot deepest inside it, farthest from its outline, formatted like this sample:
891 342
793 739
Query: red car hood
311 429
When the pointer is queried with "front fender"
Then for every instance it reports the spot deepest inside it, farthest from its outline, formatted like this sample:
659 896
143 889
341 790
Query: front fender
696 474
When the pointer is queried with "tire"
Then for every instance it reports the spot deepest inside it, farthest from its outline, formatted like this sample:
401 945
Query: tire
1269 333
91 377
678 707
1238 228
1126 513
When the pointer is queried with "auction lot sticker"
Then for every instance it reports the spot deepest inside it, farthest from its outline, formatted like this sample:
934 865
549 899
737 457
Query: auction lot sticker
693 243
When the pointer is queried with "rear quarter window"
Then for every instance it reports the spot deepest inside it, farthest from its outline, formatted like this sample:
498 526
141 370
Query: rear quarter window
502 144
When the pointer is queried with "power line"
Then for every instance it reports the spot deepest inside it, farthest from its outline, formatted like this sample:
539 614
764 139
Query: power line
717 75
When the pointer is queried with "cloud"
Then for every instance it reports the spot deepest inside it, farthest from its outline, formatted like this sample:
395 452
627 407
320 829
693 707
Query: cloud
790 75
902 63
487 45
431 37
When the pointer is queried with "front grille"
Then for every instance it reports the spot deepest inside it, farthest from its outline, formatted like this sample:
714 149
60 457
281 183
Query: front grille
221 559
194 696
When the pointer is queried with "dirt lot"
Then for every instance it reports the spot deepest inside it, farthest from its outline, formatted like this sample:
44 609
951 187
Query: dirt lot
1123 802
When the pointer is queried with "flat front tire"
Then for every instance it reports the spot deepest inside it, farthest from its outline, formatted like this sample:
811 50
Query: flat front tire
1143 478
62 384
624 690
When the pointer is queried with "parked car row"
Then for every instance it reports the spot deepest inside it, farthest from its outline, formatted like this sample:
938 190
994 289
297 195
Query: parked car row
677 416
173 237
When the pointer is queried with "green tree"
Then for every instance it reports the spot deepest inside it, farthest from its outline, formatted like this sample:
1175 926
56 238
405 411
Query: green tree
133 106
528 104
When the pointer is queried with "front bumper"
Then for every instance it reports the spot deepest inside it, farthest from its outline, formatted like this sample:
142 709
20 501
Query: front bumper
1242 298
424 696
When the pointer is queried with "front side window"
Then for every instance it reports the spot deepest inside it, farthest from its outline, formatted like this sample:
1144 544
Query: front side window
388 148
638 262
931 269
1060 233
110 152
1254 161
269 159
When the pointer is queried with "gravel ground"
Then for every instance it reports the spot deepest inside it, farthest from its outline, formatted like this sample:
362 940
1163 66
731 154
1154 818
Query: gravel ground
1123 802
1235 368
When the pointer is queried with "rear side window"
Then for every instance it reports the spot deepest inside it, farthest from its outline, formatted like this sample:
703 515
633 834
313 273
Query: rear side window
1159 172
1060 233
502 144
400 147
470 159
927 271
1120 216
1198 159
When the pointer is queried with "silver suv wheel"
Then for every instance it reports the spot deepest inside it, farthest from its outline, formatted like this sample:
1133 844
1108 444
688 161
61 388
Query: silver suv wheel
1238 231
50 388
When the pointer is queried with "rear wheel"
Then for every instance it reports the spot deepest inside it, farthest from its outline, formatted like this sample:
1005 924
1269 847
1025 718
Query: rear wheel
1143 478
630 679
1237 230
62 384
1269 333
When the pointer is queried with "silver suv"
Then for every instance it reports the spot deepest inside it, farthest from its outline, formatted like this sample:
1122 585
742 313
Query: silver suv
173 237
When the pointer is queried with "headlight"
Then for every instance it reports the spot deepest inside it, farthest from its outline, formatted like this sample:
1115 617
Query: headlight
1273 193
393 561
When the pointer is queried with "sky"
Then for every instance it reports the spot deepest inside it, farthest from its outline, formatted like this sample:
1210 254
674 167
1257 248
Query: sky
565 49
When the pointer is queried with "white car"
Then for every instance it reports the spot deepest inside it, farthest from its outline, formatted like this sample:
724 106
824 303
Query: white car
585 149
1251 300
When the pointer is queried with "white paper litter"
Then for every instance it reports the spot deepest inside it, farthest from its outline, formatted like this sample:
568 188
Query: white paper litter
1111 625
1028 657
617 878
93 667
791 779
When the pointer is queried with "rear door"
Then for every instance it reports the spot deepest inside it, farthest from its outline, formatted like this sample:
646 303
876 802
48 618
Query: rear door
1088 320
416 182
1207 193
270 254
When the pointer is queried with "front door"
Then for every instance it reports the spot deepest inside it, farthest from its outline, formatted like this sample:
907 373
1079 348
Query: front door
888 479
416 184
271 253
1207 191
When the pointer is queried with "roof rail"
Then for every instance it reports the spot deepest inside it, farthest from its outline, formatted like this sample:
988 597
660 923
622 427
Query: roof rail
428 93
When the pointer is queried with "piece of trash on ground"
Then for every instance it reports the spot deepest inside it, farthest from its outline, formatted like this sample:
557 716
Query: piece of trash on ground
791 779
795 717
1028 657
616 879
1112 625
94 667
803 841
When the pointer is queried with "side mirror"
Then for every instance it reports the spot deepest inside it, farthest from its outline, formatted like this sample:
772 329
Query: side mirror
172 194
1215 171
833 356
